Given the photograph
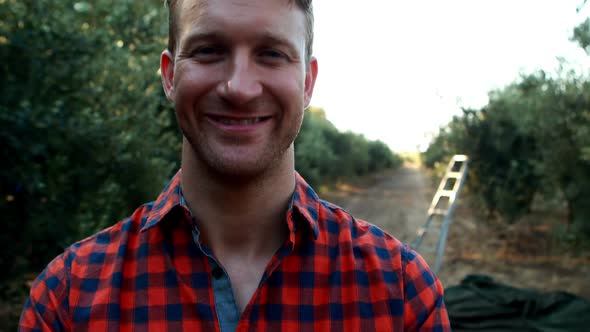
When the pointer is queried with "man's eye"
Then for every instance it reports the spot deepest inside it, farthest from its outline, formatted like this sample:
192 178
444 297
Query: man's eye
208 53
272 54
207 50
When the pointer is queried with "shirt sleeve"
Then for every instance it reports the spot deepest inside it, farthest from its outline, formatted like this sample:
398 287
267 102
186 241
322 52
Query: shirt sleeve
47 306
424 308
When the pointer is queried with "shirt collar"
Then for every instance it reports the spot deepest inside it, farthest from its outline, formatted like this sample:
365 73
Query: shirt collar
303 209
168 199
306 202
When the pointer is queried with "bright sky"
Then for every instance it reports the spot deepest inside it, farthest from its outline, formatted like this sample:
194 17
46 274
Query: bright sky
398 70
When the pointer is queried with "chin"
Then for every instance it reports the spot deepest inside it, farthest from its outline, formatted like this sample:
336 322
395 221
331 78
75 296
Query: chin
241 165
236 172
233 162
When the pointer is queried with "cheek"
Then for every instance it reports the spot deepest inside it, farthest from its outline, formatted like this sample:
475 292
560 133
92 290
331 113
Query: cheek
288 88
191 82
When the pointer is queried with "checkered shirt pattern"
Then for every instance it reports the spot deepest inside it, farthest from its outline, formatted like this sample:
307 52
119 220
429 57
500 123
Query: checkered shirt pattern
333 273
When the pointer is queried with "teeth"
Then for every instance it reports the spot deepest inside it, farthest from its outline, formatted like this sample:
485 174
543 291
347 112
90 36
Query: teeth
231 122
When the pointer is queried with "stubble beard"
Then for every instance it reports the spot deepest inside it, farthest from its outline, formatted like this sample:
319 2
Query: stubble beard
231 167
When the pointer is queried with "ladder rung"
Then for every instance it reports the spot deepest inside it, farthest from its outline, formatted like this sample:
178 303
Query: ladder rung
454 175
446 193
440 212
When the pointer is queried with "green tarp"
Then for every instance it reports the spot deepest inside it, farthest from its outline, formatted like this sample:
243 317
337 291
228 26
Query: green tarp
481 304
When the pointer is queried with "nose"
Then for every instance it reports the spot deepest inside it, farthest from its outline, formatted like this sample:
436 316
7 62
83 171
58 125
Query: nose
243 83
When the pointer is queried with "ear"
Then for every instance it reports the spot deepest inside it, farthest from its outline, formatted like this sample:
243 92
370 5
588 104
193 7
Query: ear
311 72
167 72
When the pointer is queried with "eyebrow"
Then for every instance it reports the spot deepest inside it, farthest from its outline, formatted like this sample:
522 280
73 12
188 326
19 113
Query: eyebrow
270 38
198 35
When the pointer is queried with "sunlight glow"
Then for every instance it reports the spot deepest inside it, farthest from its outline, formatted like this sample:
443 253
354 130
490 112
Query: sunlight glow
398 70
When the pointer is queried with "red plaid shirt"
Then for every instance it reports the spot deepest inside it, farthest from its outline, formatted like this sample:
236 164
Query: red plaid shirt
333 273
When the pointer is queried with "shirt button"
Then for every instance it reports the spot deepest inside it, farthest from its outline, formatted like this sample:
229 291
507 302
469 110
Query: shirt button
217 272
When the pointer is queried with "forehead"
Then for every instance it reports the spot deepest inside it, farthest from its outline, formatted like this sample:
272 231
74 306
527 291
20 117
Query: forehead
281 17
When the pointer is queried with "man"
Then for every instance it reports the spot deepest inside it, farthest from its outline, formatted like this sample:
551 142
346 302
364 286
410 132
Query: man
238 240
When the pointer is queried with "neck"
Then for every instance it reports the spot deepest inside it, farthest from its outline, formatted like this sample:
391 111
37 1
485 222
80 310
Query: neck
238 216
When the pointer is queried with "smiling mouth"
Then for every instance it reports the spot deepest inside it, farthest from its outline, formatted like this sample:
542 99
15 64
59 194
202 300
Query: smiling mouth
238 122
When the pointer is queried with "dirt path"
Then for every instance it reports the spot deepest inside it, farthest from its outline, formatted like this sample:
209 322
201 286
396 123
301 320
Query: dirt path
394 200
521 255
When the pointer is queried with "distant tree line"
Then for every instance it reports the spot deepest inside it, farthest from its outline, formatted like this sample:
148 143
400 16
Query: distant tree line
324 154
533 137
87 134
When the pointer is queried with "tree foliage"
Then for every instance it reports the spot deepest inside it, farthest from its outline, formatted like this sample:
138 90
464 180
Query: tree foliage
323 154
582 35
86 134
532 137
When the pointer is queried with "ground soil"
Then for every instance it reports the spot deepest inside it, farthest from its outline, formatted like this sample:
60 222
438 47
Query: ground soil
525 254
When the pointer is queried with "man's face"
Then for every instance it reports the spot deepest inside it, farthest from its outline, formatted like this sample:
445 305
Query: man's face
239 81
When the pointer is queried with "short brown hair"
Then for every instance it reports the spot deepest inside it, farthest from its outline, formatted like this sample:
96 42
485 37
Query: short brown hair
304 5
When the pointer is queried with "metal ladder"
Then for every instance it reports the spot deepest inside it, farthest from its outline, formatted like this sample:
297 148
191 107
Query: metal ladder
442 207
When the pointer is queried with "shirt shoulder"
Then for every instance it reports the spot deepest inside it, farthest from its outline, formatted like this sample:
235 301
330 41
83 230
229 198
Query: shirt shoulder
128 239
337 221
392 267
339 225
77 270
118 234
